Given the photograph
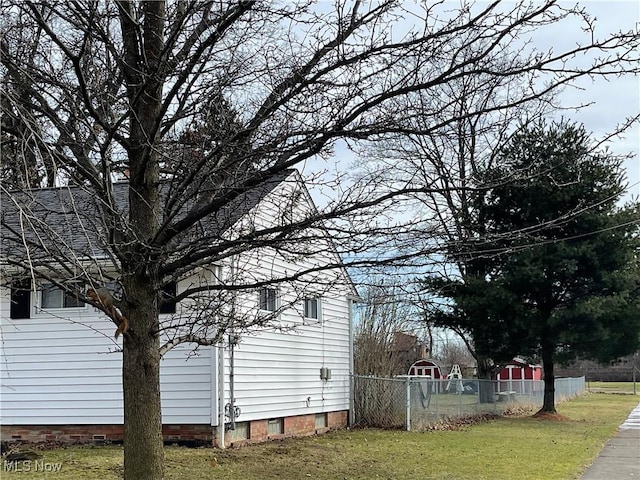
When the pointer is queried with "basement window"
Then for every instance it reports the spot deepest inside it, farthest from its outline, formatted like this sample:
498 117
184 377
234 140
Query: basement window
321 420
241 432
275 426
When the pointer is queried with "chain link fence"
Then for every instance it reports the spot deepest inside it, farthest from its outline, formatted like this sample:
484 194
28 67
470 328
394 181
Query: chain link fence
415 403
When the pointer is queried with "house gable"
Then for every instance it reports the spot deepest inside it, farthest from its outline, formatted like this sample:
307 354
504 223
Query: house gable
63 367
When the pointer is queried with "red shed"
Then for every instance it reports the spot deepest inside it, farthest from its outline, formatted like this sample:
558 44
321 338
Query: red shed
512 377
518 369
426 368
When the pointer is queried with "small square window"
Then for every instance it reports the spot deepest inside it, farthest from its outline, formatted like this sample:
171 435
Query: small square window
311 308
321 420
275 426
54 297
241 431
268 299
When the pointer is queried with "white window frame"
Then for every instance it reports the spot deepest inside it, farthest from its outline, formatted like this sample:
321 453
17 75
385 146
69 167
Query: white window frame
51 287
267 302
310 320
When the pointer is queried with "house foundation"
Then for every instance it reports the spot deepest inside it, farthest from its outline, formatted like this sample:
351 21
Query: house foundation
256 431
246 432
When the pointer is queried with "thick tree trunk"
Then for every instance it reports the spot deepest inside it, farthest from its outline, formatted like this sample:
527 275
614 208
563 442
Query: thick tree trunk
143 447
549 399
485 385
143 452
144 48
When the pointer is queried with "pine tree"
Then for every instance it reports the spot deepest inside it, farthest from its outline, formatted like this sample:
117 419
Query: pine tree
563 257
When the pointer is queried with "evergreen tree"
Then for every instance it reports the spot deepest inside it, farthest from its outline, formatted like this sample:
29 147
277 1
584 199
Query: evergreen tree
563 258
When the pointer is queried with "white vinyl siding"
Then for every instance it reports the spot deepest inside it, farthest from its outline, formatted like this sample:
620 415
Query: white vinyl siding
63 367
278 374
57 369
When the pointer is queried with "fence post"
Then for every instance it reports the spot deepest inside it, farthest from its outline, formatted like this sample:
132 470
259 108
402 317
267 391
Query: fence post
408 403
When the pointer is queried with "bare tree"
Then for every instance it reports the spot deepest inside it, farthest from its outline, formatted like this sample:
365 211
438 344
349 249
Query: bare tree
449 159
452 351
386 338
96 90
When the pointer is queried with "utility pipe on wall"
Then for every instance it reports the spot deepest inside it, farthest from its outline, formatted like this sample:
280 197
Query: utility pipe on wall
233 341
220 430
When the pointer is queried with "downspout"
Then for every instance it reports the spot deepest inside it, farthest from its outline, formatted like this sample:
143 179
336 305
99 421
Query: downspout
233 341
220 431
352 413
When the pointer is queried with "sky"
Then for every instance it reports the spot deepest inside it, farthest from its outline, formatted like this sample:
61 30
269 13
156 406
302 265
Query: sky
614 100
610 101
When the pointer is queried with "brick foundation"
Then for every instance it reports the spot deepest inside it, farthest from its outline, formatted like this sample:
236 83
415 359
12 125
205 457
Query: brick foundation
299 425
98 433
295 426
338 419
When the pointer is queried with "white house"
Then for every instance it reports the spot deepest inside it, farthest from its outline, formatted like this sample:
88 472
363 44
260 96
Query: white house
60 368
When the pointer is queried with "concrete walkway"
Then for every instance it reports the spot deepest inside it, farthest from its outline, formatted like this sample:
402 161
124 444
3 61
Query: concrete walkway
620 457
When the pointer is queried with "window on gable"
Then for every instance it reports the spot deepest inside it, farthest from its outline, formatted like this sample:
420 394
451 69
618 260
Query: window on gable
53 296
312 309
168 303
268 299
20 299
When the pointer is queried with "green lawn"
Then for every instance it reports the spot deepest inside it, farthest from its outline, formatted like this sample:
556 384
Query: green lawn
501 449
613 387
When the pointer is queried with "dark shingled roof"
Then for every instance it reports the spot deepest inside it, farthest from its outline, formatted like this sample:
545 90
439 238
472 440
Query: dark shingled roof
65 221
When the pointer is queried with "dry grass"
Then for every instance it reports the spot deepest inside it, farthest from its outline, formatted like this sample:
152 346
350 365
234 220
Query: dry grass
522 447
